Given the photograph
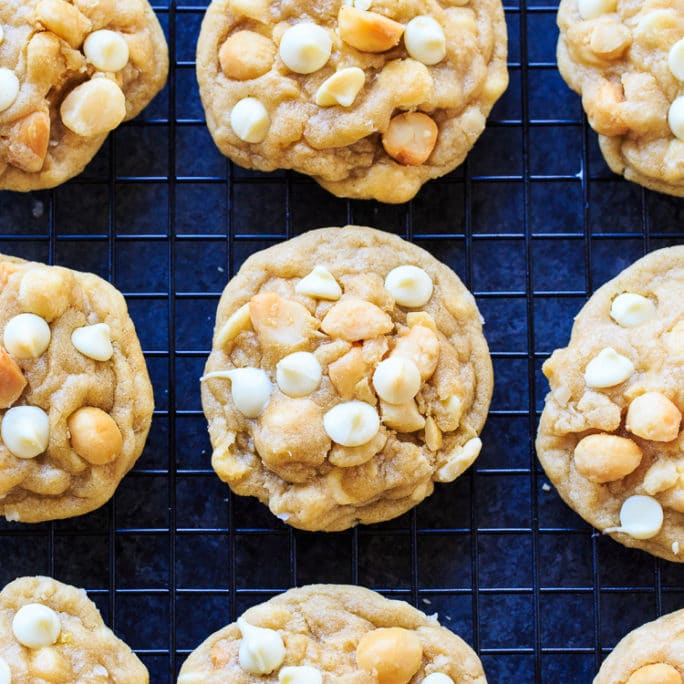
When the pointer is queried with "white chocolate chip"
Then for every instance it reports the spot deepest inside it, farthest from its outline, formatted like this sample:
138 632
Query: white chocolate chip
2 37
397 380
5 672
459 461
425 40
100 671
341 88
630 310
321 284
250 120
607 369
675 548
26 336
36 626
25 430
9 88
106 50
641 517
438 678
592 9
305 48
352 423
94 341
298 374
675 59
94 108
303 674
261 650
409 285
250 388
675 117
238 322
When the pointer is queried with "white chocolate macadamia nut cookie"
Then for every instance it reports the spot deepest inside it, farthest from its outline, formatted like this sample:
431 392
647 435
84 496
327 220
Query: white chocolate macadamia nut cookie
610 437
52 632
327 633
372 99
650 654
75 397
70 72
626 60
327 398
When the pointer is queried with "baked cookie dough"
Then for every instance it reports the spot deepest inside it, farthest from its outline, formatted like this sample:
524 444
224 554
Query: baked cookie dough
75 397
348 374
610 437
626 60
370 97
71 72
52 632
328 633
651 654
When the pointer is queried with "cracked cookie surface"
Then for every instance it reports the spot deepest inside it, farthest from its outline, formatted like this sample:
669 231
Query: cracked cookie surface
52 632
331 632
371 99
330 400
626 59
610 436
74 390
70 72
650 654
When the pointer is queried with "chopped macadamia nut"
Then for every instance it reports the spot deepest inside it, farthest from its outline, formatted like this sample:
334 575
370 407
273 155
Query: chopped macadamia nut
402 417
44 291
591 9
320 284
607 369
9 88
425 40
31 137
391 654
410 286
656 673
305 48
64 20
653 416
36 626
12 380
368 31
94 108
459 461
605 458
410 138
609 40
95 436
246 55
254 9
341 88
106 50
238 322
354 319
26 336
250 120
420 345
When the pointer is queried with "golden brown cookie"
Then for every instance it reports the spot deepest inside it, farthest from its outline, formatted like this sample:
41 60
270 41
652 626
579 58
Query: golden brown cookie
650 654
70 72
75 397
52 632
348 374
610 437
626 60
328 633
372 98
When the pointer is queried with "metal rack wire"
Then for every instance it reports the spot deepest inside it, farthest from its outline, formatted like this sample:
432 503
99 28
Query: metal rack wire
532 222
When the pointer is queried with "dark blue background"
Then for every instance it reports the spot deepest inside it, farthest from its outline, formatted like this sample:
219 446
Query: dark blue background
532 223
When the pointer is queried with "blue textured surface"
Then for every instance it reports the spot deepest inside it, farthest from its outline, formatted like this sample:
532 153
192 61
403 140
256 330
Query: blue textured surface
532 223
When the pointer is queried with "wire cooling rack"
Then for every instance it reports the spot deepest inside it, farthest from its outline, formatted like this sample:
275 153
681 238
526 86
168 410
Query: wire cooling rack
532 222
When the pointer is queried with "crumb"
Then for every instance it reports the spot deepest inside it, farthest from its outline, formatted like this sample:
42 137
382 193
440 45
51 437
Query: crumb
427 602
220 269
546 487
37 209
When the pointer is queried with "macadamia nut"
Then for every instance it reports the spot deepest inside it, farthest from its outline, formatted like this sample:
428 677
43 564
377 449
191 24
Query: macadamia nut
605 458
653 416
246 55
656 673
44 292
94 108
391 654
341 88
95 436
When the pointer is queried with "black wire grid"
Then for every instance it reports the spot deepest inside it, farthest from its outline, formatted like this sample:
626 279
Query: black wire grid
532 222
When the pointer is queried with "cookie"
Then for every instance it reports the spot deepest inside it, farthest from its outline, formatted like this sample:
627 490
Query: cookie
326 633
75 397
348 374
651 654
626 60
52 632
372 97
71 72
610 437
